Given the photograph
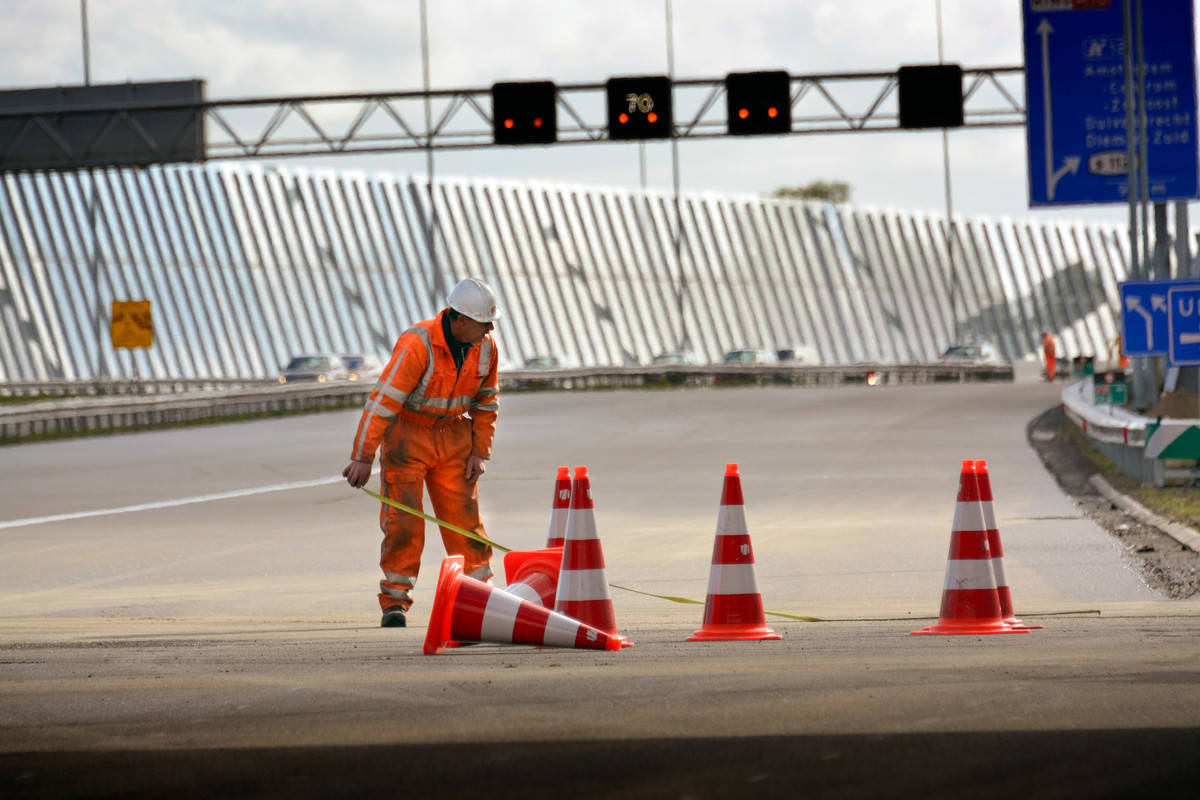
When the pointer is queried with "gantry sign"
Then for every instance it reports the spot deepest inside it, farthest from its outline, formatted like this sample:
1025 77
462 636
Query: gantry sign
61 129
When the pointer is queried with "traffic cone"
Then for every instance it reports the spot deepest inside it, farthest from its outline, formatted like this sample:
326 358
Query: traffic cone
970 604
582 585
533 574
733 609
469 610
560 508
1003 592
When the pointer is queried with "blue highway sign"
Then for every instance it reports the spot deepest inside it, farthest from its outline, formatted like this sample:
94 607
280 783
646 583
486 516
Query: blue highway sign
1144 315
1184 326
1075 101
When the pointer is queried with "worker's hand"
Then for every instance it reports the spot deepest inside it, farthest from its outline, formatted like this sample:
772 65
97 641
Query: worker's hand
475 468
357 473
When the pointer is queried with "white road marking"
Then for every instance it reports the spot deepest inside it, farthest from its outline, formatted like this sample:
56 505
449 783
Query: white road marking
182 501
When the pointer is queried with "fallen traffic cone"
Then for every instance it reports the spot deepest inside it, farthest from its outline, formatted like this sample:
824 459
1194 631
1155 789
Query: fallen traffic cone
1003 592
970 604
734 607
582 585
560 508
469 610
533 574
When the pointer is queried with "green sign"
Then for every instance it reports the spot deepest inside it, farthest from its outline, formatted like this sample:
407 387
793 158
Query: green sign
1115 393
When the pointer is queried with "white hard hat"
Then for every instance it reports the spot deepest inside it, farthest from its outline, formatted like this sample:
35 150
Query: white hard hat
475 299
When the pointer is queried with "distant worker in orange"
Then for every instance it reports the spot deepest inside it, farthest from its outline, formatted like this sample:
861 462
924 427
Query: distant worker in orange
1048 353
433 414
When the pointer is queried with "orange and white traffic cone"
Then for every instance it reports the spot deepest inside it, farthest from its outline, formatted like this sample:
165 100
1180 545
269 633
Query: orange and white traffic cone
533 574
970 604
560 508
1003 592
733 609
469 610
582 585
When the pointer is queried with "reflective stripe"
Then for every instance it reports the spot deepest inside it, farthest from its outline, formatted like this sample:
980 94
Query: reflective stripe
486 391
377 408
391 391
582 585
998 572
399 594
732 579
416 398
499 617
525 592
485 356
989 514
481 573
364 424
448 402
396 577
732 519
561 631
968 516
486 406
975 573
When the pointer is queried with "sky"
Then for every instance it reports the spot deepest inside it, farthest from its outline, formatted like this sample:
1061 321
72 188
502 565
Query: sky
251 48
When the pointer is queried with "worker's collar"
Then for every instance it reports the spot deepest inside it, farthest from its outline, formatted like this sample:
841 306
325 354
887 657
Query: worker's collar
452 344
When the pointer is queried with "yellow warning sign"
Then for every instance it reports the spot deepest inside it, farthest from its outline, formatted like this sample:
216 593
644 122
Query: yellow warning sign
131 324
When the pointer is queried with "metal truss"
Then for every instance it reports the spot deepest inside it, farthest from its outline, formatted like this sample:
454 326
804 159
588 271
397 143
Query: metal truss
269 127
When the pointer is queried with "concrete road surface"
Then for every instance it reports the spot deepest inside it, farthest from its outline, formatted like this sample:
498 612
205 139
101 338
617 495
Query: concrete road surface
194 612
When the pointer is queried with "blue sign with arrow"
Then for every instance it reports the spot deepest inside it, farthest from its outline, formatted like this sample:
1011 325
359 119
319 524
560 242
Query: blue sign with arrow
1075 101
1183 321
1145 327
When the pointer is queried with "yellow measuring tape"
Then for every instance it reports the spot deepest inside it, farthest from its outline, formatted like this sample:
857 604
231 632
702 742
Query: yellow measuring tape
436 521
670 598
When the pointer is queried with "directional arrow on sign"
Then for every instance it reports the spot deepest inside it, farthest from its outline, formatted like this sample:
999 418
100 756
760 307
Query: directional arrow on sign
1044 30
1070 58
1145 315
1070 163
1134 304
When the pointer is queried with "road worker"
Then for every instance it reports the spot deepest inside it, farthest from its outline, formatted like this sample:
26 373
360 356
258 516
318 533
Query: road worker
432 413
1048 353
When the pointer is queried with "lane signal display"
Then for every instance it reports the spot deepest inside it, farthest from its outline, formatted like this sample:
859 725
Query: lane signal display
758 102
639 107
524 112
930 95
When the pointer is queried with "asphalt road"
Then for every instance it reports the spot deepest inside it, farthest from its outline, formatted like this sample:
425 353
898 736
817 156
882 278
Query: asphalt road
193 612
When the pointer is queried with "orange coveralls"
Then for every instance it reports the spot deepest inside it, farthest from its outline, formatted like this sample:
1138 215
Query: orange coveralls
1048 353
429 417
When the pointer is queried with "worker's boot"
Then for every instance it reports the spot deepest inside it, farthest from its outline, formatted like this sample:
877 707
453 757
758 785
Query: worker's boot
393 618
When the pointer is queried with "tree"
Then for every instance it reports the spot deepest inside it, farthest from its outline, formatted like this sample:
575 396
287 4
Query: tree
830 191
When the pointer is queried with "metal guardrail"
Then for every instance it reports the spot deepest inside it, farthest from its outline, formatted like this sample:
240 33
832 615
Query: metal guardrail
1121 436
116 386
149 404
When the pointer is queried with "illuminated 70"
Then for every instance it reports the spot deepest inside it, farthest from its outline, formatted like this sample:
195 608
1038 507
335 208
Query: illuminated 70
640 102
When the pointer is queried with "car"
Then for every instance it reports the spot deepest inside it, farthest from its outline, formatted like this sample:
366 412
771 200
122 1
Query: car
548 362
319 367
750 356
362 366
972 352
676 357
798 354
